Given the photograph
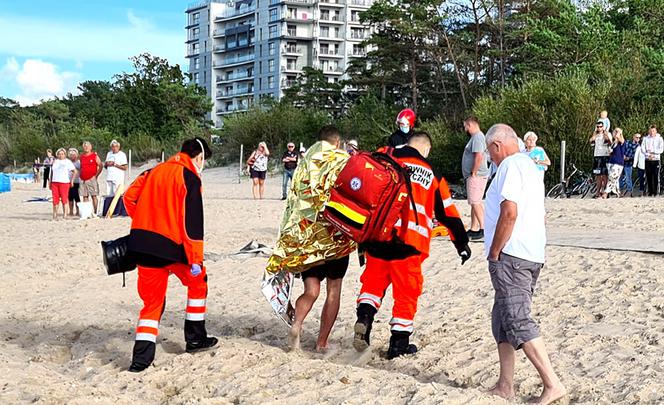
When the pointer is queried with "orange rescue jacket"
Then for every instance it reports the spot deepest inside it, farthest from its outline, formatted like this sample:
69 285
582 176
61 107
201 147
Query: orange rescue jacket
431 195
166 207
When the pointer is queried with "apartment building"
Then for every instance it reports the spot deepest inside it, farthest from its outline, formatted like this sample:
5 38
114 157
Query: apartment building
243 50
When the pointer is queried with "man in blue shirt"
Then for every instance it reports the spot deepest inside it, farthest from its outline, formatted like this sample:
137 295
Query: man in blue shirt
626 179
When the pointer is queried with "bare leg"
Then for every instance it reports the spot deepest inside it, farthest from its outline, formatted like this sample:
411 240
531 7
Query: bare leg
302 307
505 386
553 388
261 188
71 208
95 205
254 188
55 212
330 311
474 224
64 210
479 214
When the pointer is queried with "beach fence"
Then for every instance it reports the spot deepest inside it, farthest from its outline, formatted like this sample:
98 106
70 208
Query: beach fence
5 183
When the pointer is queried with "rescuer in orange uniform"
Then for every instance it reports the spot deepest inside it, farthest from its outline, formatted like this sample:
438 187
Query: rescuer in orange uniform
400 262
166 208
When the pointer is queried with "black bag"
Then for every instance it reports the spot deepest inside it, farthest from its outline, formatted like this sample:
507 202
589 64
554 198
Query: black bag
117 258
119 210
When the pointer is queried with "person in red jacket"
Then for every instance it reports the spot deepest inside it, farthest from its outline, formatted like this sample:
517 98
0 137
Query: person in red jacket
166 207
399 262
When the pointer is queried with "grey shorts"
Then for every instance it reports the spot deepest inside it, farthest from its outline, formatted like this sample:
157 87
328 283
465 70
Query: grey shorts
89 188
514 281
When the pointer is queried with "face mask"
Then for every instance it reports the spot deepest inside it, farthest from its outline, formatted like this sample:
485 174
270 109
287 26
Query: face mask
405 129
200 169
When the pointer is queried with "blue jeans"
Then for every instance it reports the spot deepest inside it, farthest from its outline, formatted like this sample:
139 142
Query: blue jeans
288 175
626 179
642 180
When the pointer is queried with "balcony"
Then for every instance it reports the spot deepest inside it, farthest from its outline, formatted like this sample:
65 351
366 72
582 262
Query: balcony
331 19
360 3
297 19
232 109
291 69
358 53
333 70
234 60
354 19
286 83
358 35
193 37
330 53
326 36
239 92
240 12
292 50
332 3
219 33
305 3
235 77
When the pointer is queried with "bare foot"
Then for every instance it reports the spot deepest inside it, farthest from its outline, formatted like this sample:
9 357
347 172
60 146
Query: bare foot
294 338
321 348
550 395
503 392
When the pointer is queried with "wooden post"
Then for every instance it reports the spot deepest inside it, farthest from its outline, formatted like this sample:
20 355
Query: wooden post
129 166
562 161
239 173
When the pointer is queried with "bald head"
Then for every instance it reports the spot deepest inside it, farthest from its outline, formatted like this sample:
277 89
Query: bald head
501 142
420 141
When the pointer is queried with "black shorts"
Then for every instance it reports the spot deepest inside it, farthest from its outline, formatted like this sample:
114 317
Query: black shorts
333 270
255 174
599 165
73 193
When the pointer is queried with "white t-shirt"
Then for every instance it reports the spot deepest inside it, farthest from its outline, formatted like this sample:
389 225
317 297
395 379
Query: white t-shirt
115 174
518 180
61 170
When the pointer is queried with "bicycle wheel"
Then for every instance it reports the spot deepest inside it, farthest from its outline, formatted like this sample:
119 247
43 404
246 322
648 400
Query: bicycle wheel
585 190
556 191
592 189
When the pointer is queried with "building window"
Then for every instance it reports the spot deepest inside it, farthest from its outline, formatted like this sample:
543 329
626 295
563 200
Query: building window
197 63
195 33
292 30
291 64
271 47
204 76
195 77
325 15
336 32
325 32
273 15
270 65
260 83
273 31
270 82
355 16
196 18
292 13
195 48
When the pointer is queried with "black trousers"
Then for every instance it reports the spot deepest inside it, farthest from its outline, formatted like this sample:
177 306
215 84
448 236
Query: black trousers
47 174
652 177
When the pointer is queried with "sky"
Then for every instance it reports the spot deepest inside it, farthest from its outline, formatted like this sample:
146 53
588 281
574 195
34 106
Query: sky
48 47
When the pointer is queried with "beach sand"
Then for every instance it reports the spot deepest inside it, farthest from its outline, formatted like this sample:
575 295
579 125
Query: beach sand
66 328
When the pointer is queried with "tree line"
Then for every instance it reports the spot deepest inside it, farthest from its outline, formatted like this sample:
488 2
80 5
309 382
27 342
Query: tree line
547 66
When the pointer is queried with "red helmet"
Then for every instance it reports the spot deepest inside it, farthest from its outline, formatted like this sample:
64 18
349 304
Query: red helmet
406 116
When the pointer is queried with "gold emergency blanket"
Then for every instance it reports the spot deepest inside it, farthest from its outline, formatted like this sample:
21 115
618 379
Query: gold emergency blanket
305 238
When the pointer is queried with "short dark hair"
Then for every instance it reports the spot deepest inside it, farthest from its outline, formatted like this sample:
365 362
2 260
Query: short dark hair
192 148
653 126
329 133
420 135
472 118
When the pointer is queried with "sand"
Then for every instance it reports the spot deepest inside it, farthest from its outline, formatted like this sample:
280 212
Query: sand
66 328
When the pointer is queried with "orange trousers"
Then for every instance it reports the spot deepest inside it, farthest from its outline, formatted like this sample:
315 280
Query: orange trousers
152 283
405 275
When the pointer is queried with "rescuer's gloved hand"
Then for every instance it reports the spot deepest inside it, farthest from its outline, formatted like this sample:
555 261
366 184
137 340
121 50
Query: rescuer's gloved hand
464 253
196 269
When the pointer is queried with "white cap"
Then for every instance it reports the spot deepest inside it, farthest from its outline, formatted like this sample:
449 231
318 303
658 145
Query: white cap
115 142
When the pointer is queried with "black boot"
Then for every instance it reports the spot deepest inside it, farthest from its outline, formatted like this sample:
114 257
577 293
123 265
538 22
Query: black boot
143 355
365 318
196 337
399 345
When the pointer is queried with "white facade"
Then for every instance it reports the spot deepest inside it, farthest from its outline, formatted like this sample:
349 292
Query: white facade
245 49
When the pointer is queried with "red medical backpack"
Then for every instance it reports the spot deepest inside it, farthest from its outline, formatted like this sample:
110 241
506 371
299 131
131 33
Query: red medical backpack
370 194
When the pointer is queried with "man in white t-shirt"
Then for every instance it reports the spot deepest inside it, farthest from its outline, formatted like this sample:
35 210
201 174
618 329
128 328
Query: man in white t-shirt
514 241
116 165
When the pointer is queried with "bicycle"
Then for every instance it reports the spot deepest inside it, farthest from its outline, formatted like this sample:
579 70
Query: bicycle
582 185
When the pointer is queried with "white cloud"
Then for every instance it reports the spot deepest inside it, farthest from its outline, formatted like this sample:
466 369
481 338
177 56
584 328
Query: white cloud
10 69
86 41
38 80
139 23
